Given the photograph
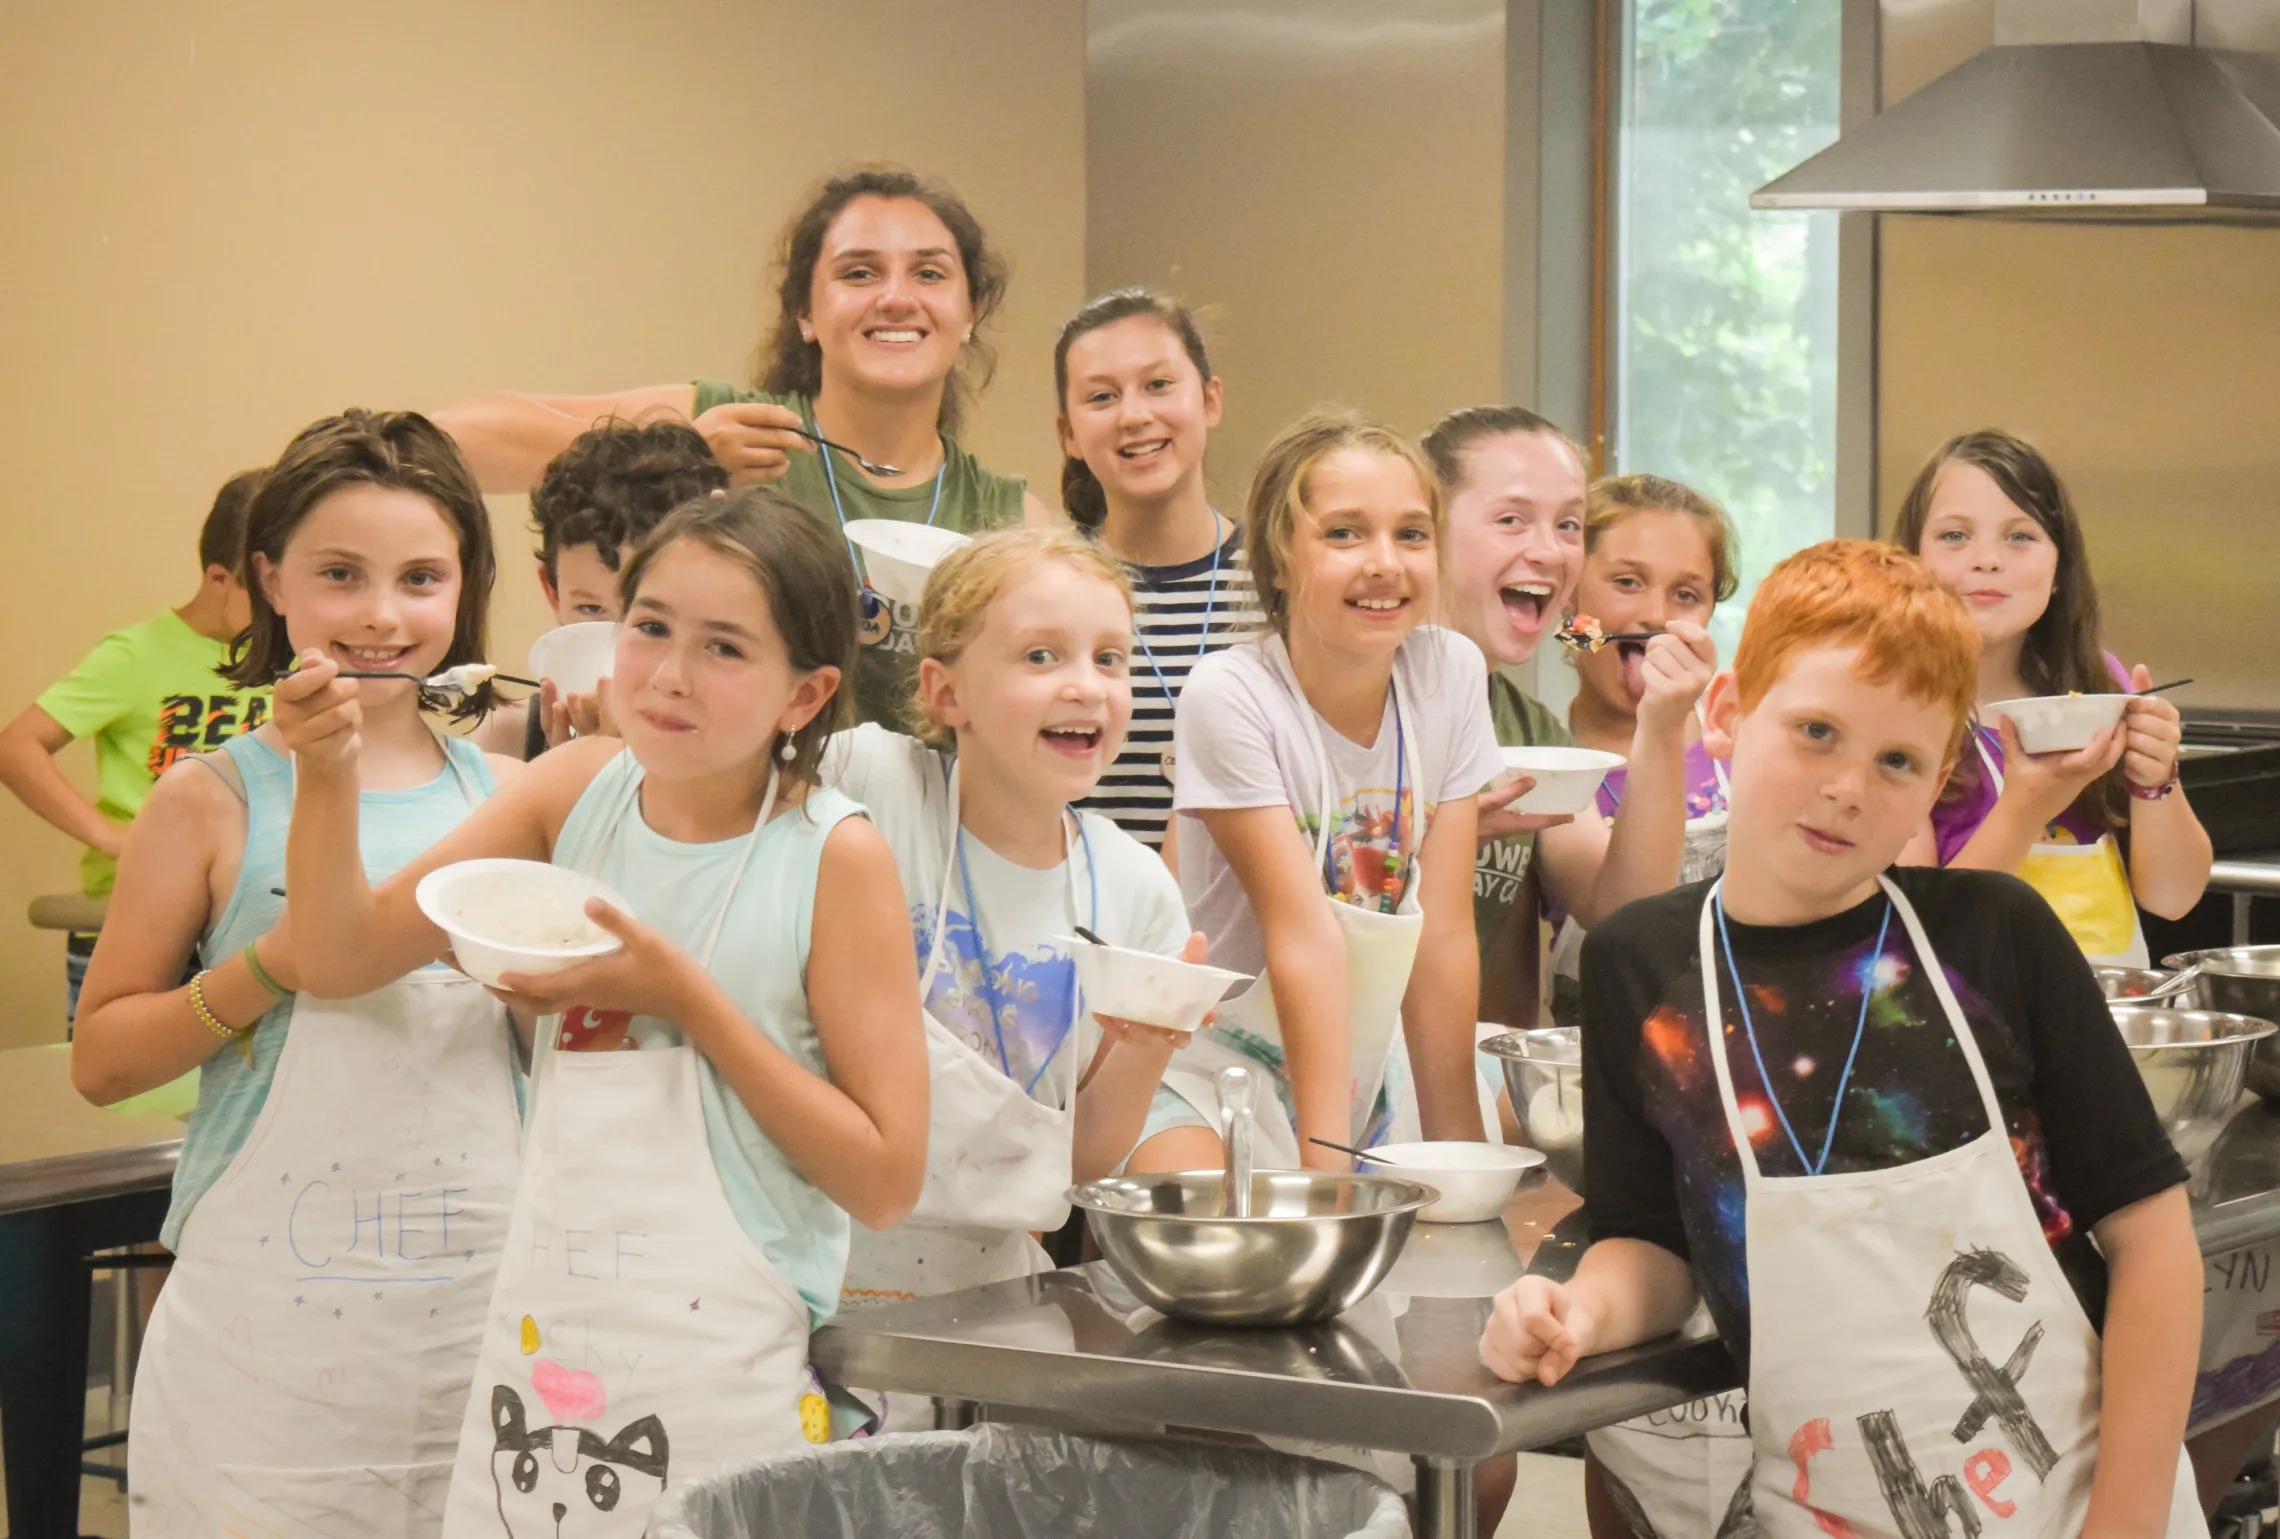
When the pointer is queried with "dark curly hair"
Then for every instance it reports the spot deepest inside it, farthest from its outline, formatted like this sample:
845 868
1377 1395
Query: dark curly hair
400 450
789 365
615 483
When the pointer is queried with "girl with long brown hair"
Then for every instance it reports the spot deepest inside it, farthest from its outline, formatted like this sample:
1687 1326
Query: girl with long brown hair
1991 517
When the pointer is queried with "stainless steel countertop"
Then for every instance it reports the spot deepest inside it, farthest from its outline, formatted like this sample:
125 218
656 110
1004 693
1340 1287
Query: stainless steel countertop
1401 1372
56 1148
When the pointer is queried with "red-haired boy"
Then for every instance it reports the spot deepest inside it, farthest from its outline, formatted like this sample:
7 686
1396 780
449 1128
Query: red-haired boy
1884 1170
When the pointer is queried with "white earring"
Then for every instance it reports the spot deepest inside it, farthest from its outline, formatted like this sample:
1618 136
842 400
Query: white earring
788 752
969 333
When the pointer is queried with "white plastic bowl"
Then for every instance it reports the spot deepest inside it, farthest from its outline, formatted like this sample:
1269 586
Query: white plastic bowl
1141 986
516 916
575 657
897 555
2059 723
1475 1180
1566 778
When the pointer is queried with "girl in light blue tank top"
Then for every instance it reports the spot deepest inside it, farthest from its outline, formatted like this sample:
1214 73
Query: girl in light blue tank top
685 1202
396 825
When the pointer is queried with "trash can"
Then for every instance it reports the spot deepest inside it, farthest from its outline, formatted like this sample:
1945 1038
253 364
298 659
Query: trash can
999 1481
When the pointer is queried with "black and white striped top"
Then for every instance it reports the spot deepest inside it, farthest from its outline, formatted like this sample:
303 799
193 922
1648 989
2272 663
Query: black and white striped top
1169 608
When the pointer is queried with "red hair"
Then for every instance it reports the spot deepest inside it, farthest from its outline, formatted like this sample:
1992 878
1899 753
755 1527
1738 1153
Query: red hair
1908 626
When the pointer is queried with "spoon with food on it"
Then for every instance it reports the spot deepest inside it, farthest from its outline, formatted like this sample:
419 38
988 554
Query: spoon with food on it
1582 633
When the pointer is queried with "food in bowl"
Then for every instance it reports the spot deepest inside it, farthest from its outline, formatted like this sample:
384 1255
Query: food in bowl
516 916
2058 723
1129 985
1566 778
1475 1180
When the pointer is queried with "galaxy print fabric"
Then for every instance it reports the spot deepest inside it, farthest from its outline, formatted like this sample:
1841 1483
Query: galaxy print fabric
1911 1094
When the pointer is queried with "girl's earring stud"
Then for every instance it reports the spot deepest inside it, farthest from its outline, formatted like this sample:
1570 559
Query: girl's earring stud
788 752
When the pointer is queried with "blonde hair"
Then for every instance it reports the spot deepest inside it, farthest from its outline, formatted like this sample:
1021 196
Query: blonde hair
1279 487
1613 499
965 583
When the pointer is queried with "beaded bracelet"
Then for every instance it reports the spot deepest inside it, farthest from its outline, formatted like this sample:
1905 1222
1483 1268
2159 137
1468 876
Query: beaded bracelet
241 1035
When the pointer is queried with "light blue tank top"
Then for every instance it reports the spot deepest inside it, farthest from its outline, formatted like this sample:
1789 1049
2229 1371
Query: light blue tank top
761 963
392 828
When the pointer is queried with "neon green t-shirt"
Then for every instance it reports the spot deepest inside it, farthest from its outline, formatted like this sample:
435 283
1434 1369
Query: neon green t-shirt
973 499
147 695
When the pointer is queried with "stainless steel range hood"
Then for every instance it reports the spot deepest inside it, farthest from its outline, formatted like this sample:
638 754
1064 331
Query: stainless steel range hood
2083 109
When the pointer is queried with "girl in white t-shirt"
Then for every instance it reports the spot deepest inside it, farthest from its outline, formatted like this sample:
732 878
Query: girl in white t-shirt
1024 694
1325 801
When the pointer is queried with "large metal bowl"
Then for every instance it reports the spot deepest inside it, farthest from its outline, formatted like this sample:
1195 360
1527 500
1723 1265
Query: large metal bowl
2193 1063
2123 984
2241 980
1543 1075
1314 1245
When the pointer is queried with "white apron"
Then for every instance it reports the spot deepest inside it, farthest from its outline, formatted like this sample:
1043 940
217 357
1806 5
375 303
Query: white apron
2087 886
1380 950
637 1336
997 1157
1919 1364
309 1358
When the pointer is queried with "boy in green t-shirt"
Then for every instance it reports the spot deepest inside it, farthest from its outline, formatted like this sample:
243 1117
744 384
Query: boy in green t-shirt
148 695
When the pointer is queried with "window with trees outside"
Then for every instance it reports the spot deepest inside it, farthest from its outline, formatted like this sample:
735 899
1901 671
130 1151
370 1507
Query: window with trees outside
1725 320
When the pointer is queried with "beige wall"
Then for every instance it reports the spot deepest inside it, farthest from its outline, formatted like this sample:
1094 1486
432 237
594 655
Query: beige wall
220 220
1323 176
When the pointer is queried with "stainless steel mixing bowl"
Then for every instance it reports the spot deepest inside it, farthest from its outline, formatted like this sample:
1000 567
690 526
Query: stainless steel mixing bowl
2242 980
2193 1063
1314 1245
1543 1075
2122 984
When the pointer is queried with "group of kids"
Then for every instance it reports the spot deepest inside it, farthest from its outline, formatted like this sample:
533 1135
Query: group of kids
450 1258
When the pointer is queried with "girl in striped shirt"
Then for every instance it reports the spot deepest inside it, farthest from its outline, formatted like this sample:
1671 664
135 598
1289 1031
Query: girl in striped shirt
1138 400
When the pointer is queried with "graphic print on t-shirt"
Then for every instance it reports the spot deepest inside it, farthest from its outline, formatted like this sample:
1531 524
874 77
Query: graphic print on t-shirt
196 723
1911 1095
1030 990
1361 863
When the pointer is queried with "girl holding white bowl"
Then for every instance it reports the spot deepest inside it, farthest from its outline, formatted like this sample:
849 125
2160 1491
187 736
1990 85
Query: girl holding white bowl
1024 688
1515 488
684 1210
1990 516
336 1138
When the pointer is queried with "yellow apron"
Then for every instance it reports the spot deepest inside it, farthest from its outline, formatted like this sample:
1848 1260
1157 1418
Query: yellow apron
2088 887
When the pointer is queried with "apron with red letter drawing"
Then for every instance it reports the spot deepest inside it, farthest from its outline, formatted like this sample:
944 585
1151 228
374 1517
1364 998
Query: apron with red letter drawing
1920 1366
637 1336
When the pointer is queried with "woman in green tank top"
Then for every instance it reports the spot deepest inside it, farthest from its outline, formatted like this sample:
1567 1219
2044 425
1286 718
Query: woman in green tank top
886 280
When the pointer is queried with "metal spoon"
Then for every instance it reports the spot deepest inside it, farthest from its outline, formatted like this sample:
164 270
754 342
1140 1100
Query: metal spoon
870 467
1359 1154
1235 1092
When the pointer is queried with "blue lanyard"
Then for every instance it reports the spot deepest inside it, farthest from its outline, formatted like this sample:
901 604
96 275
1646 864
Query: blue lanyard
1860 1029
831 479
1394 865
1203 634
990 993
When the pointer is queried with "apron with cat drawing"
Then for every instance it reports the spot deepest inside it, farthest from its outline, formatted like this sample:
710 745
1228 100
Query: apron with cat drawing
637 1336
997 1156
308 1361
1919 1364
1380 950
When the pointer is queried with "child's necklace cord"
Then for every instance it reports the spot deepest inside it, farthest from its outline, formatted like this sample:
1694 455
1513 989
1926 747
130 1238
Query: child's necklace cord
1813 1167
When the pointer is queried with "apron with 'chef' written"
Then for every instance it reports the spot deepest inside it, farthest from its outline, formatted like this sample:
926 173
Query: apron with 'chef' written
308 1359
1919 1364
637 1336
2086 885
997 1156
1381 948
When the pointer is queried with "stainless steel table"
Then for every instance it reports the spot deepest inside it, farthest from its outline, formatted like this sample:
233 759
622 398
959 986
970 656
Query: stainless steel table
1400 1374
2247 878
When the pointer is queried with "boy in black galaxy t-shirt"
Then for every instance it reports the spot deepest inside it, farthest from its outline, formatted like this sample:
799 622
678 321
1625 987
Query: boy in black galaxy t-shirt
1884 1171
